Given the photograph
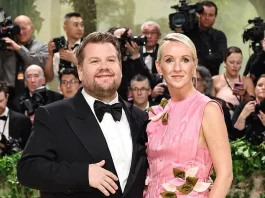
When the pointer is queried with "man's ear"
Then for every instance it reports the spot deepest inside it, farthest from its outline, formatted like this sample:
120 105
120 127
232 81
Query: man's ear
80 72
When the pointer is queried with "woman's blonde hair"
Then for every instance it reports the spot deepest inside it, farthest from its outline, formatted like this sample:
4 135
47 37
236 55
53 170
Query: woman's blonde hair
179 38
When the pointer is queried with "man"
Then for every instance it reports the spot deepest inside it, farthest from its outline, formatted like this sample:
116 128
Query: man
91 145
13 125
132 63
69 82
35 82
151 30
210 43
19 56
74 29
140 90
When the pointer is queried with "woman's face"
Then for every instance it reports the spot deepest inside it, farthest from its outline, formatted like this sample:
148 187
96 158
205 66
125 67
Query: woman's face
176 64
233 64
199 83
260 89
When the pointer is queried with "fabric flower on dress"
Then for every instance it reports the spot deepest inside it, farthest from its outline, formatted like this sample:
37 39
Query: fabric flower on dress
160 111
184 182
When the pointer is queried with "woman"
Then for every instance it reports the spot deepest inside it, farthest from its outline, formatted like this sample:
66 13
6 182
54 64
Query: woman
204 84
230 86
249 117
187 134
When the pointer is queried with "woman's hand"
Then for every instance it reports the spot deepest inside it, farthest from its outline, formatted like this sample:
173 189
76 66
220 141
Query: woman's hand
261 116
248 109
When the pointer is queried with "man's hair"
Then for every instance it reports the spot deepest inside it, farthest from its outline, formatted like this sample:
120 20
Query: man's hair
210 4
71 14
3 87
151 23
207 79
98 38
69 71
140 78
231 50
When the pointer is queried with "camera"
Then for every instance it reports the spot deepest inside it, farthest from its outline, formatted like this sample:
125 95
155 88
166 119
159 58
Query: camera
61 43
139 40
185 17
39 98
7 29
10 146
255 33
260 107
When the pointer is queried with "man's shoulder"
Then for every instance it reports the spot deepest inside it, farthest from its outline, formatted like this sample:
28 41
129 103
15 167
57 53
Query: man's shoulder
135 110
17 115
218 32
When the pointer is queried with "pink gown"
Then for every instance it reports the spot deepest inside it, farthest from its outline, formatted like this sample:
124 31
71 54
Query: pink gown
177 142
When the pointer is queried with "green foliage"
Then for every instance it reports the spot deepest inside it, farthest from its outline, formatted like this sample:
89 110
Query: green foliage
247 159
9 185
15 8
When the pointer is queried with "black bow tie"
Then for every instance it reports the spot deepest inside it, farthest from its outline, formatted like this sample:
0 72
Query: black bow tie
101 108
148 53
3 118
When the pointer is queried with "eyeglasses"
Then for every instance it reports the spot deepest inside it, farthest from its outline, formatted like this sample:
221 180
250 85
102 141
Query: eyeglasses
70 82
143 90
151 33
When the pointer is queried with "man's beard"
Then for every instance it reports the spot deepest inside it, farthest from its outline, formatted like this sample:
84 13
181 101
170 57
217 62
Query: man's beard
101 92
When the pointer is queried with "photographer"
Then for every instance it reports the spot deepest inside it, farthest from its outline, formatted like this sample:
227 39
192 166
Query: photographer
249 117
15 128
256 64
19 54
74 29
210 43
36 94
132 63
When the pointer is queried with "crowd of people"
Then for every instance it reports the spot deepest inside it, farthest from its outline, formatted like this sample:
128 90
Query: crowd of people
93 138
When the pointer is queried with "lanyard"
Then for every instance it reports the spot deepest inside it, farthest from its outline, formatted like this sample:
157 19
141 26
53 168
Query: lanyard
5 124
238 98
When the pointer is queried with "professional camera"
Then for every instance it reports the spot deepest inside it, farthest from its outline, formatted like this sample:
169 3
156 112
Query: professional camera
61 43
39 98
255 33
139 40
260 107
185 17
7 29
10 146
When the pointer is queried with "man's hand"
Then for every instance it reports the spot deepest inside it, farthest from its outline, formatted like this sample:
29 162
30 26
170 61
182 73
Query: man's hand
134 50
12 45
102 179
263 44
158 90
51 47
68 55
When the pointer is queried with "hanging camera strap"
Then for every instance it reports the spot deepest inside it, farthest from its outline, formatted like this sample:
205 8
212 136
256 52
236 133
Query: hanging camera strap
238 98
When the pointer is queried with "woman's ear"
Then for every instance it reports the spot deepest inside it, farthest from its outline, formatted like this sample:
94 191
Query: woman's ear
158 68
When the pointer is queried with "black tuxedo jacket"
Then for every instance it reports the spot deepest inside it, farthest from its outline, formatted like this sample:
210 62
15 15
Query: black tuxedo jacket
65 139
19 127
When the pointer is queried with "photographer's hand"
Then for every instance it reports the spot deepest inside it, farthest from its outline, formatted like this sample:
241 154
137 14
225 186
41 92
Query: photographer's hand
248 109
51 47
158 90
68 55
261 116
239 91
134 50
11 45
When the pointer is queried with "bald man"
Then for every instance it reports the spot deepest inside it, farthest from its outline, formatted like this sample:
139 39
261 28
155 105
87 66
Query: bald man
34 79
22 52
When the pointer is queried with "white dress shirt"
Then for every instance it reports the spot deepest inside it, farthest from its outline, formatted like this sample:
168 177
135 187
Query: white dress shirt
118 138
148 60
4 125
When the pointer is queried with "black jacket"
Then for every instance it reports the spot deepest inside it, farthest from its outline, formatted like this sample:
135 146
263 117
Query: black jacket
65 139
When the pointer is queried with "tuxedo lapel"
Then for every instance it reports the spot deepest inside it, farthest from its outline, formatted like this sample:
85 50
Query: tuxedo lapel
12 124
88 131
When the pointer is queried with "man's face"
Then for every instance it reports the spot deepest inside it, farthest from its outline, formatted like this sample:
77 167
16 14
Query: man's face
34 79
3 102
152 33
140 92
100 71
74 28
207 18
69 85
26 31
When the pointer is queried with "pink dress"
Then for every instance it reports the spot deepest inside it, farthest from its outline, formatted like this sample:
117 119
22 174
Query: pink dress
176 144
